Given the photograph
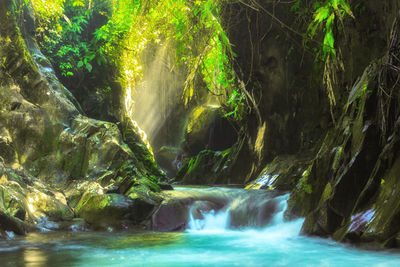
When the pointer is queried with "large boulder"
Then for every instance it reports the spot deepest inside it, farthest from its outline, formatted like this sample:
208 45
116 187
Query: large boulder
30 202
103 211
171 215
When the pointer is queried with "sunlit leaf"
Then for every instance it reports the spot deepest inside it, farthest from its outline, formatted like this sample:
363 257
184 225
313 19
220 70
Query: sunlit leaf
322 13
89 67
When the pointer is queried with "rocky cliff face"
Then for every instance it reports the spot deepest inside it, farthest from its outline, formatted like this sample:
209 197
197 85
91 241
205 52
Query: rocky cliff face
349 189
55 163
287 110
345 185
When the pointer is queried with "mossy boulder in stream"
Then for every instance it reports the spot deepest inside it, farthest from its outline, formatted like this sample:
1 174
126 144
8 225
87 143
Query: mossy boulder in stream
110 210
31 203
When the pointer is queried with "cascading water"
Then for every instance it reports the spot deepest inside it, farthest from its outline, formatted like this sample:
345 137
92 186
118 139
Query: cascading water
212 220
253 229
227 227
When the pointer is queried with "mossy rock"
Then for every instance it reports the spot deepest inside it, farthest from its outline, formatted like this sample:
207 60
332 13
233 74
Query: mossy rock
283 172
117 211
207 129
206 168
104 210
167 159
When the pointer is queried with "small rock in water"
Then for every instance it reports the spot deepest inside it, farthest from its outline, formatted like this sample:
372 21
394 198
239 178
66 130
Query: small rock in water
78 224
45 225
9 235
200 207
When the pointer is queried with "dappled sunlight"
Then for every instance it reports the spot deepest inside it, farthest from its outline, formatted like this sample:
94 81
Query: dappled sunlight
150 99
129 103
34 257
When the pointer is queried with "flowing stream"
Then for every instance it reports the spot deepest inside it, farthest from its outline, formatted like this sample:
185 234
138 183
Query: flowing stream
224 236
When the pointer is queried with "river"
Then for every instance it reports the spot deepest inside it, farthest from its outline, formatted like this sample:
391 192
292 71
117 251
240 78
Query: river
211 239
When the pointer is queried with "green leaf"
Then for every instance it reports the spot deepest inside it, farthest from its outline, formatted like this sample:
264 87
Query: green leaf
78 3
296 6
312 28
322 13
345 7
80 64
334 3
330 21
329 41
89 67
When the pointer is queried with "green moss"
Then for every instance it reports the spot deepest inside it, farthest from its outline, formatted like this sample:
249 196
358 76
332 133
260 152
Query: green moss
208 167
92 202
131 176
338 156
327 192
304 185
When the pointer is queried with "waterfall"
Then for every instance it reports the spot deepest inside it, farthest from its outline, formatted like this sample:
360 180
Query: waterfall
245 211
212 221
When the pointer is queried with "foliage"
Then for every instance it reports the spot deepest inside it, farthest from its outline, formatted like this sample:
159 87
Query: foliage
324 22
49 10
194 31
78 42
304 185
324 17
120 20
65 36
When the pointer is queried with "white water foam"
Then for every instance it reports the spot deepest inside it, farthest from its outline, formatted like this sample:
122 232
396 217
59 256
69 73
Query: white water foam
218 222
211 221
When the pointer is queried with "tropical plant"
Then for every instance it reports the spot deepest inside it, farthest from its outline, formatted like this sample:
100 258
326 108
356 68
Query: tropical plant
325 17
